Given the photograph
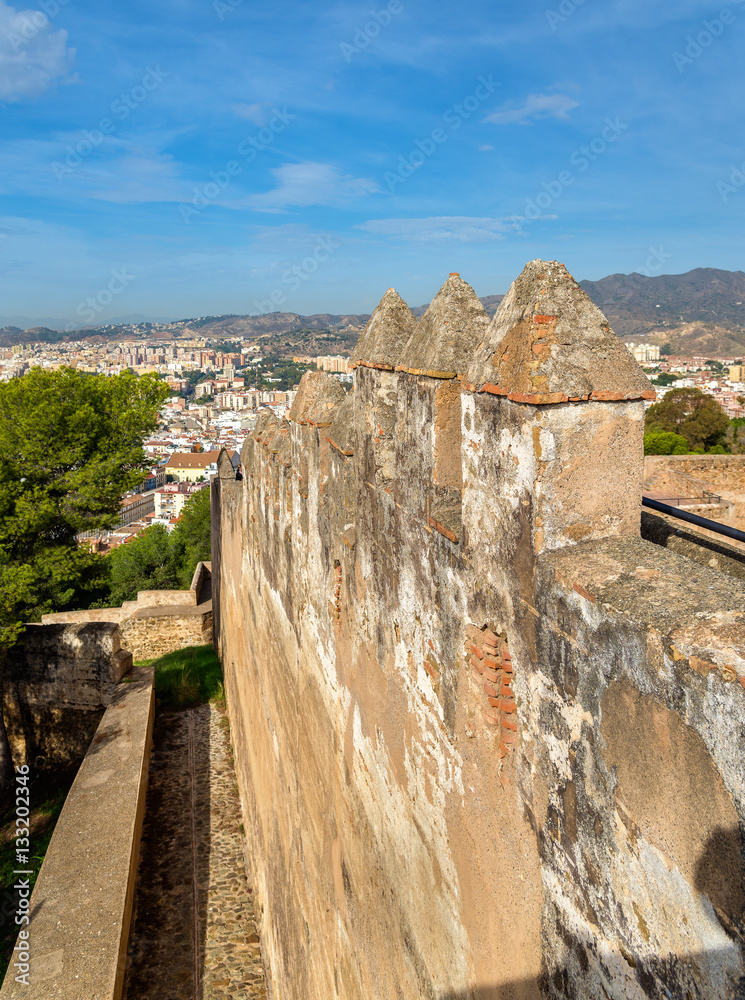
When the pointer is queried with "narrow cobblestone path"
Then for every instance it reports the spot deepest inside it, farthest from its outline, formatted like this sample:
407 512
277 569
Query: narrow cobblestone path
194 935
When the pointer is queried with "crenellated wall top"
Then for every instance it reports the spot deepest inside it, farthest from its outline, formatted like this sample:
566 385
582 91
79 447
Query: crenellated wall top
547 343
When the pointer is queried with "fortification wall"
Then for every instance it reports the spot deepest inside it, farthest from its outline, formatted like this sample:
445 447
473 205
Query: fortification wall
488 739
58 680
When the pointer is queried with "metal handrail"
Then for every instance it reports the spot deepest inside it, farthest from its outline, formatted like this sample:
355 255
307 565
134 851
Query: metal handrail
706 499
702 522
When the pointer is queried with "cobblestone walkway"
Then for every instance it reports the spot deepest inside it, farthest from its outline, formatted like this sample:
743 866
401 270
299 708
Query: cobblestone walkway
194 935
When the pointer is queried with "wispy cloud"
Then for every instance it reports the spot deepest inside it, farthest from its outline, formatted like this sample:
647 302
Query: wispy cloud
444 229
533 108
250 112
306 184
32 53
133 169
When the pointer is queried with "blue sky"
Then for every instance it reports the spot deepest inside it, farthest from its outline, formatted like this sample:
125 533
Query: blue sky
197 157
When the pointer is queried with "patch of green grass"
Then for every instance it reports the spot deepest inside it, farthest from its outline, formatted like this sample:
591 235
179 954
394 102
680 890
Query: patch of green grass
188 677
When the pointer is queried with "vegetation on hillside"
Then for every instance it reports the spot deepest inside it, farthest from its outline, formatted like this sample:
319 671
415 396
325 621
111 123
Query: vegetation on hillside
190 676
687 420
70 446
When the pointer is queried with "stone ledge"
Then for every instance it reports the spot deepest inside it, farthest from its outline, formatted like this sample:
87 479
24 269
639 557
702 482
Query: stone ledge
81 907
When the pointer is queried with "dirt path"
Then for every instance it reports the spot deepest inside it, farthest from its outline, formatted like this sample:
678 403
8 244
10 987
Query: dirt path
194 935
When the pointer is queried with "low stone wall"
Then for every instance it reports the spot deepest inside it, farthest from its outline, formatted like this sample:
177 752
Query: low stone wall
166 598
58 681
89 615
716 552
201 582
154 632
700 466
159 621
81 907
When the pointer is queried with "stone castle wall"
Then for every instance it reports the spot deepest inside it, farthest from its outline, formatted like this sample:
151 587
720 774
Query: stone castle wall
58 681
489 741
159 621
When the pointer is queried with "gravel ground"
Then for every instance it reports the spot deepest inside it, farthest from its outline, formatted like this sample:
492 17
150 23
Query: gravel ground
194 935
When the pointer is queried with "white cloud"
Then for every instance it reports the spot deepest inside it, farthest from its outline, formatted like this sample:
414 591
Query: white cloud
251 112
32 53
444 229
533 108
304 184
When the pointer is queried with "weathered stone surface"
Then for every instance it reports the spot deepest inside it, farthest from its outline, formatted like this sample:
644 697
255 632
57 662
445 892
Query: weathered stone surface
548 340
437 689
387 333
81 906
152 633
444 340
59 678
316 398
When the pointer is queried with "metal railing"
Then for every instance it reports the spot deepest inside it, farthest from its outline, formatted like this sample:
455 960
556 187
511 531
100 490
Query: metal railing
707 497
702 522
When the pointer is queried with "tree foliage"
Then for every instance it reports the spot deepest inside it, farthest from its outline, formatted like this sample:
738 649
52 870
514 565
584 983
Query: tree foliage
70 446
191 540
155 560
691 414
665 443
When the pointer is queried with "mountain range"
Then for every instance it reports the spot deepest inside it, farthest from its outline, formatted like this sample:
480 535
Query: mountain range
699 312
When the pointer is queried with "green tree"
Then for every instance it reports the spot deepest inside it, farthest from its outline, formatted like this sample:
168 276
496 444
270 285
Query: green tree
690 413
70 445
665 378
191 539
144 563
666 349
665 443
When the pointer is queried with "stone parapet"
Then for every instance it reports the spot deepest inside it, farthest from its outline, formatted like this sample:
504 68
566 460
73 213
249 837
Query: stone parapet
159 621
81 907
59 678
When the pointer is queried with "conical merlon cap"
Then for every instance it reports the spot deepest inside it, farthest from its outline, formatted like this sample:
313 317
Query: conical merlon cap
444 340
549 343
317 396
388 330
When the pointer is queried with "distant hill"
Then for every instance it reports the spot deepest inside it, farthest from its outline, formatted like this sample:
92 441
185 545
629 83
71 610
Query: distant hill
700 312
277 322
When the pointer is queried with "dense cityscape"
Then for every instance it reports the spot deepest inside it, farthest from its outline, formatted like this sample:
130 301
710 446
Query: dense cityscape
217 389
215 397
